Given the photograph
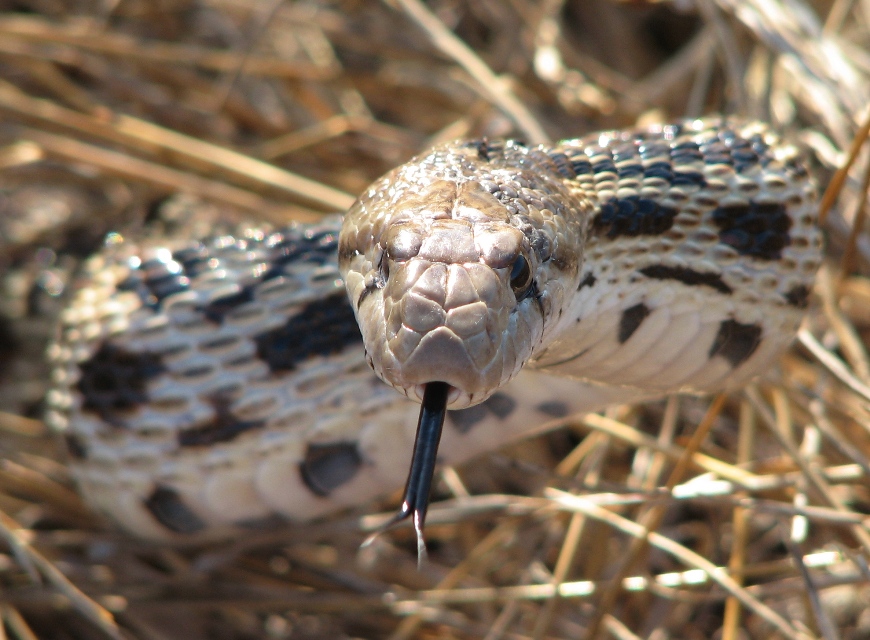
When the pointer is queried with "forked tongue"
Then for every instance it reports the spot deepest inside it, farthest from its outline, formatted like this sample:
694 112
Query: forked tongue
416 499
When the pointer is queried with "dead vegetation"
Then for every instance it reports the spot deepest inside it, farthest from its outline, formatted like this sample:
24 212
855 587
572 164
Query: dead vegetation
739 517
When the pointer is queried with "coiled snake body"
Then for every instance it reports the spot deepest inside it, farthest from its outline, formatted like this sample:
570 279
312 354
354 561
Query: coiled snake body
205 386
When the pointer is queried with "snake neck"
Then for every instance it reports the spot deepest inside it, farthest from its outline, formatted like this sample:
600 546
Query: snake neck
699 259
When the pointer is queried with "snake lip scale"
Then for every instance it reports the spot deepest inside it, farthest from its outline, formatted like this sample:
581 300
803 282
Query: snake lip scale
205 386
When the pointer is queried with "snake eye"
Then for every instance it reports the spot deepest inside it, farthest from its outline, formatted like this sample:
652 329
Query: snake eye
521 277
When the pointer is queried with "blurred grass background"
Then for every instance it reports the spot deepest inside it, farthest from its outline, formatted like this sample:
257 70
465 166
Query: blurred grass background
110 112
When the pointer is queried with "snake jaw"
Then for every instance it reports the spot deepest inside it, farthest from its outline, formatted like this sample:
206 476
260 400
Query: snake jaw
454 395
456 322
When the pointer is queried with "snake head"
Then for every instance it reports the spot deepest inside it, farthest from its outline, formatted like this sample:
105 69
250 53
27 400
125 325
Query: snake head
449 283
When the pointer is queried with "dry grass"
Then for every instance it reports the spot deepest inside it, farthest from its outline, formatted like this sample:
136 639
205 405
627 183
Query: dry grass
755 504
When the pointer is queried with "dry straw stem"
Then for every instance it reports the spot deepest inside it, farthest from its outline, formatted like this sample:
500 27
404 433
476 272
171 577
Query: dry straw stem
162 177
651 517
833 364
848 337
592 449
740 524
838 180
39 565
488 82
585 589
159 141
90 35
686 556
287 111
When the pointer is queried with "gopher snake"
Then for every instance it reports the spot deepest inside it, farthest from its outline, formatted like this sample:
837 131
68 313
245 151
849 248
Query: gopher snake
205 386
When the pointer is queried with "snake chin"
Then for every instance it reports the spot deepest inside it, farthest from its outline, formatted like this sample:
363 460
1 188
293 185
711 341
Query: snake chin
441 358
456 398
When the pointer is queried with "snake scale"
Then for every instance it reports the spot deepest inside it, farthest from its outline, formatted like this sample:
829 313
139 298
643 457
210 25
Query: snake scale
207 386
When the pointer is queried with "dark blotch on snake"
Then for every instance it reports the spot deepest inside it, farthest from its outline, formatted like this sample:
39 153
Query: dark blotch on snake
587 281
328 466
650 150
464 420
798 296
744 158
673 130
498 404
153 290
754 229
632 216
631 319
736 342
758 143
689 179
630 171
114 381
624 151
563 164
553 408
321 328
686 151
224 427
686 276
266 523
218 308
164 277
75 447
501 405
167 507
158 278
292 245
194 258
135 282
580 165
662 170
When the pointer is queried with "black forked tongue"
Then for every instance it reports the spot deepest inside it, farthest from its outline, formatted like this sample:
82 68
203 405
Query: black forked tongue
416 499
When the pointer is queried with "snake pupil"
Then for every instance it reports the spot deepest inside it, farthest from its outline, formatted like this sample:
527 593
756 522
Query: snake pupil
521 277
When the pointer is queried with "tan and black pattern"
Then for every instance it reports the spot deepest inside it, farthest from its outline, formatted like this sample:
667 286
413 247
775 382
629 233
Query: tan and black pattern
674 257
208 386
